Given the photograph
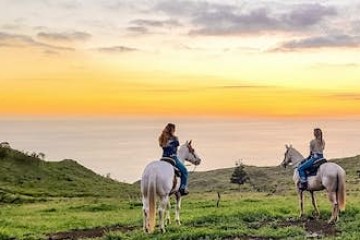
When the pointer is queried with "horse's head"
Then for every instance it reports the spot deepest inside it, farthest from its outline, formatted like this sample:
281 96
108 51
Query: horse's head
188 153
288 156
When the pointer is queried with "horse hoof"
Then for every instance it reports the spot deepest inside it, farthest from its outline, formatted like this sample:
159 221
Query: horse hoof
167 221
178 222
331 221
315 215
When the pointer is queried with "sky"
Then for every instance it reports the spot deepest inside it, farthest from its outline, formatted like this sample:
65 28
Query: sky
180 58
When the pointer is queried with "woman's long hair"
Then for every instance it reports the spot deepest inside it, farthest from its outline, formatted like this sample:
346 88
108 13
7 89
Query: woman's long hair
166 134
319 136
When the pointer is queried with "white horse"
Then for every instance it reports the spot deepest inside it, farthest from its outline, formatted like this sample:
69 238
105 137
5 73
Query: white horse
329 176
159 179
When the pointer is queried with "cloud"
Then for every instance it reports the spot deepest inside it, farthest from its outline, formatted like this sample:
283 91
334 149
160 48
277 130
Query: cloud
234 21
11 26
332 41
215 19
229 23
17 40
143 26
347 96
190 8
156 23
355 25
51 53
308 14
242 87
65 4
116 49
336 65
64 37
138 29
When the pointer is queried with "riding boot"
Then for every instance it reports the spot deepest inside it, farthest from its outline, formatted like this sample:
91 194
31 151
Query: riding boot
302 185
183 191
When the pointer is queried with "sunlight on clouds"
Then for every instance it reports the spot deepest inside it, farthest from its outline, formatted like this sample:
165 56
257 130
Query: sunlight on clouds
167 57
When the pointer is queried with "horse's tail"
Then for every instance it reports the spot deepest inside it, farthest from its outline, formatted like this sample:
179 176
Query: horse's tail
152 201
340 190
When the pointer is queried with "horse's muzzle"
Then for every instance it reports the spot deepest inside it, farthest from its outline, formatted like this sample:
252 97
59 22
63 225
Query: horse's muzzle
197 162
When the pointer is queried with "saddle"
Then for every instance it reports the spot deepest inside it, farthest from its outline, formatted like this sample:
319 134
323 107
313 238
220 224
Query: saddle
173 163
313 169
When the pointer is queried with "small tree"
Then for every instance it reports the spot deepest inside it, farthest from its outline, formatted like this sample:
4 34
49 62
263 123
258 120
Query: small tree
41 156
239 175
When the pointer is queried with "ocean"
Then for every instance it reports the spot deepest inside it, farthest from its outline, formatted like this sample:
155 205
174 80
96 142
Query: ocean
122 147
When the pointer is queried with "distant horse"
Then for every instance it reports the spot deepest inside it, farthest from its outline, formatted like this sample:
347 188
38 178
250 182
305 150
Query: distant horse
329 176
159 179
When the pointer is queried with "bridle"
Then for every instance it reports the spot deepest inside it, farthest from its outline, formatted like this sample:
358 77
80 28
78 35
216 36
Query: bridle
286 163
192 152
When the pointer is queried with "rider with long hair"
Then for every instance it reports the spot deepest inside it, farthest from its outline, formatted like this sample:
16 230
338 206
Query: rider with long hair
317 146
170 143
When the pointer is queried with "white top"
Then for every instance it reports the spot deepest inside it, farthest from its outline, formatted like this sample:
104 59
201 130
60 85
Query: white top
316 147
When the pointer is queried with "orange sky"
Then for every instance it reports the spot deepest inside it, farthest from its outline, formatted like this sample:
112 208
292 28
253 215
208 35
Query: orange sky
178 64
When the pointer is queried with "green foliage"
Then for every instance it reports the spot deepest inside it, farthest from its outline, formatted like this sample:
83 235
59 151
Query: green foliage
50 197
239 175
25 178
275 180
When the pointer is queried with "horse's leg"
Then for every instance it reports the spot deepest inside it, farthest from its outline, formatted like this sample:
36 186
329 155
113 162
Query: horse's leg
145 215
168 220
316 210
162 208
301 203
335 209
178 206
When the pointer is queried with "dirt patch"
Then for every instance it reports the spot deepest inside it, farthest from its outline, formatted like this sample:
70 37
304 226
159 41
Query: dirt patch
314 227
88 233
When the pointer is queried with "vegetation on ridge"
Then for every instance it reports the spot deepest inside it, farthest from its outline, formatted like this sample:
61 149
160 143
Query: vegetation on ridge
29 177
78 202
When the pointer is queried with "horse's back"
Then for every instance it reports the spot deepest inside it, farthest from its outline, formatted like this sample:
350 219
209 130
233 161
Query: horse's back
162 173
331 173
331 168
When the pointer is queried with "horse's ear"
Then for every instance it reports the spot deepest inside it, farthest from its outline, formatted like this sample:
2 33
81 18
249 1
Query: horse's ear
190 142
287 147
290 145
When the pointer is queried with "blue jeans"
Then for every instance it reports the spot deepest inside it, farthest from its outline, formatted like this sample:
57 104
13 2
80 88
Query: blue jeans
184 172
306 165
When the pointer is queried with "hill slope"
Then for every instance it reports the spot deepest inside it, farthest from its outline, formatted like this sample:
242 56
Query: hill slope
25 175
267 179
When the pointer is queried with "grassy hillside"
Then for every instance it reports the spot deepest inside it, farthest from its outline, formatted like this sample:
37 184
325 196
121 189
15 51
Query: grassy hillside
263 179
23 177
264 209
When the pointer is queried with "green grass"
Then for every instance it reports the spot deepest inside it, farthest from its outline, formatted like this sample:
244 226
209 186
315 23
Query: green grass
239 215
25 179
38 198
35 220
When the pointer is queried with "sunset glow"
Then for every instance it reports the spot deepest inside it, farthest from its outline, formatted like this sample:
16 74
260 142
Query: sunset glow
180 58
